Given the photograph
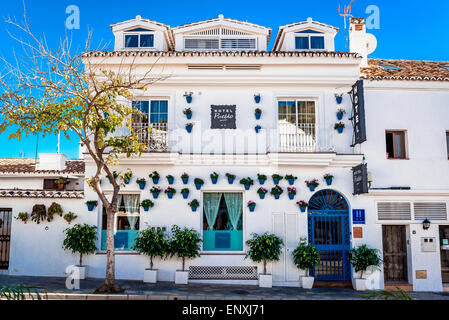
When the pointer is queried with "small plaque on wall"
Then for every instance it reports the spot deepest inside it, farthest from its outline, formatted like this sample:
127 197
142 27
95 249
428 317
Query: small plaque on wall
421 274
357 232
222 116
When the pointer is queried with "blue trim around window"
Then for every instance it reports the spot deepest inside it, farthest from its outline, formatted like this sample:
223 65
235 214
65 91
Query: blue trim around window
302 43
317 42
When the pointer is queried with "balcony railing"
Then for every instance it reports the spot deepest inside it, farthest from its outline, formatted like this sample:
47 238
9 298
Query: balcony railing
153 137
303 138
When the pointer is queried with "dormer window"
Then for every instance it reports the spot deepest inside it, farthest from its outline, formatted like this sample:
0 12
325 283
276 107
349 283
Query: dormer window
139 38
309 39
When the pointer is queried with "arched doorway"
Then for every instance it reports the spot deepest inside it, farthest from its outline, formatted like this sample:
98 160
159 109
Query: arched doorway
328 224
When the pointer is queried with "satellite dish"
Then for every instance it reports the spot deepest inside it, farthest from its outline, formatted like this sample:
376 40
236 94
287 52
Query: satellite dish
371 43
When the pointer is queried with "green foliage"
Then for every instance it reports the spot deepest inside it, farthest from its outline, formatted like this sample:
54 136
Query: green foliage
154 175
277 176
127 175
22 292
214 175
261 176
184 243
229 175
388 295
169 176
276 190
38 213
153 243
184 175
363 257
339 125
187 111
147 203
155 189
80 239
198 181
92 202
264 247
247 181
170 190
306 257
22 216
290 176
141 180
70 216
61 181
194 203
185 190
54 208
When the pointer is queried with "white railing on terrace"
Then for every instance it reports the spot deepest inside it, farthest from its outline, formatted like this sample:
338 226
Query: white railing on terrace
154 137
304 138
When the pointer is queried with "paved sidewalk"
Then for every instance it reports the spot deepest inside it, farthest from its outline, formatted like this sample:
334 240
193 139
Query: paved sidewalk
133 290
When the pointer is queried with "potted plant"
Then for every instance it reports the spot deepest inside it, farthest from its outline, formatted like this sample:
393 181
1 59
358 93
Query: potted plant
188 96
302 205
339 126
230 177
141 182
184 243
291 192
251 205
276 191
170 179
54 208
247 182
60 182
114 174
147 204
361 258
257 128
22 216
185 178
70 216
312 184
262 191
198 183
291 179
263 248
189 127
155 191
262 178
188 113
276 178
328 177
257 97
340 113
153 243
214 177
339 98
257 113
127 176
185 193
170 192
38 213
154 176
80 239
306 257
194 204
91 204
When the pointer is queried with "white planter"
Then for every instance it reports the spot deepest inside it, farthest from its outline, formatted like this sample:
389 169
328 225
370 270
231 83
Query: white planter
307 282
265 280
181 277
79 272
359 284
150 276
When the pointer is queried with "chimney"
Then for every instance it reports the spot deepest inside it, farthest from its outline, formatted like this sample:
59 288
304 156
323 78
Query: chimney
51 161
359 41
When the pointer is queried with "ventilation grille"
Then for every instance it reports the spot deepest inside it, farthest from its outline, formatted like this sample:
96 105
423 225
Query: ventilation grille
394 211
238 43
223 272
230 32
430 210
201 44
208 32
242 67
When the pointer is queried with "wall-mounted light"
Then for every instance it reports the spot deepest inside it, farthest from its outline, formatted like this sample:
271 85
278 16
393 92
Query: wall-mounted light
426 224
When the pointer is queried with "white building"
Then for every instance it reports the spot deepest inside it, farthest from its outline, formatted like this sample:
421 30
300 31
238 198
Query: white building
223 64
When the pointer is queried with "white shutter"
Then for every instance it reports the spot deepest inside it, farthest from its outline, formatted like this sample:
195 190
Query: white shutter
238 43
278 229
394 211
430 210
196 44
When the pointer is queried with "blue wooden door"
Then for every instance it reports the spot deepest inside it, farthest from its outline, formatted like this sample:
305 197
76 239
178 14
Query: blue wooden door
328 224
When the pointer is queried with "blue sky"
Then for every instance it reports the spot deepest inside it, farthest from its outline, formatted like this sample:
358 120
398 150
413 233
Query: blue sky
408 30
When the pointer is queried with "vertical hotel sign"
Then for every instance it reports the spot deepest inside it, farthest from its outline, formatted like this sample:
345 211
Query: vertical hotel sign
360 179
358 113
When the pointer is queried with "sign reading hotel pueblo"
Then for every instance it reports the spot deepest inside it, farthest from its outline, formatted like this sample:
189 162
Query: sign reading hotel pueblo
222 116
360 179
358 113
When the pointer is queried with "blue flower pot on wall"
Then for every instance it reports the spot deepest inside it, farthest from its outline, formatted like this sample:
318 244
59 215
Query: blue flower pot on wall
185 195
261 181
194 208
262 195
198 186
339 99
185 180
329 181
146 208
340 129
257 115
339 115
189 99
126 181
155 195
171 180
214 180
90 207
251 209
189 115
291 181
230 180
189 129
142 185
291 196
155 180
303 209
312 188
170 195
257 128
247 186
275 180
276 196
257 99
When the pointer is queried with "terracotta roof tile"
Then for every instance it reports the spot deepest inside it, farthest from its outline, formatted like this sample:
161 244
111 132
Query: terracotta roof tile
28 166
412 70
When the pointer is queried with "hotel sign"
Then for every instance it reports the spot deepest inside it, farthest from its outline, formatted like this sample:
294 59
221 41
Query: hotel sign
360 179
358 113
222 116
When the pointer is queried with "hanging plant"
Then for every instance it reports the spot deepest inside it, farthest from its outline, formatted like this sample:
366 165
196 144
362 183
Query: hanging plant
22 216
185 193
257 113
194 204
339 127
188 96
91 204
147 204
127 176
262 191
214 177
198 183
340 113
291 192
276 178
154 176
188 113
70 216
230 177
170 192
257 128
155 191
141 182
247 182
251 205
257 98
38 213
185 178
328 177
189 127
339 98
312 184
302 205
262 178
55 208
61 182
170 179
291 179
276 191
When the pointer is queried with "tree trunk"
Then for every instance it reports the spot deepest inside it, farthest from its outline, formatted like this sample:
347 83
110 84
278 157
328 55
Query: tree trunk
81 259
265 267
151 262
110 254
361 274
183 263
